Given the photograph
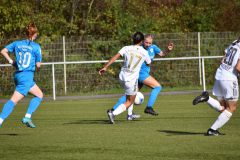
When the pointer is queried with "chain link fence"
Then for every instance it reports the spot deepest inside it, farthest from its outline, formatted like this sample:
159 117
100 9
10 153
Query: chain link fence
83 79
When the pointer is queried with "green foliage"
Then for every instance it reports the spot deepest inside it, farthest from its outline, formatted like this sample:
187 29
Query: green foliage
119 19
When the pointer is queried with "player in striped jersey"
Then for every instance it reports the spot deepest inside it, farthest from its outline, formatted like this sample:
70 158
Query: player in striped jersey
225 88
134 56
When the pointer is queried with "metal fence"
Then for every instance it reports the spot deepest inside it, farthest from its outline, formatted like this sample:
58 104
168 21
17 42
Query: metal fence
71 64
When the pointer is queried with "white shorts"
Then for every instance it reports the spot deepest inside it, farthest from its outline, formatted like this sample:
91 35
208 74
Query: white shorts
130 87
227 90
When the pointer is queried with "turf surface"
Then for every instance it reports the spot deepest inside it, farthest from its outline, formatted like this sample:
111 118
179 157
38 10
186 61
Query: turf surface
79 130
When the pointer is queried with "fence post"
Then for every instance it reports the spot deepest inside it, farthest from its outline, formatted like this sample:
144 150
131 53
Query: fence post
203 75
54 83
64 66
199 60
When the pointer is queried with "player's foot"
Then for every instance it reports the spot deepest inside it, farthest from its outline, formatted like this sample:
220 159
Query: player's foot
28 122
149 110
211 132
202 98
133 116
110 116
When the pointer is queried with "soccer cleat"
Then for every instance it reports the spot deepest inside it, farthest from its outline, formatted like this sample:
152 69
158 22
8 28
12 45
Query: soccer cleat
211 132
110 116
28 122
133 116
149 110
202 98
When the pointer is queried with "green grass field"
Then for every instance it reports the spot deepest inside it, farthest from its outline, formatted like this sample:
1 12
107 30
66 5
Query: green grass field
80 130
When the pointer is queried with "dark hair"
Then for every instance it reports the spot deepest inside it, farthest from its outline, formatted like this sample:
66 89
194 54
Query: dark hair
236 41
137 37
31 29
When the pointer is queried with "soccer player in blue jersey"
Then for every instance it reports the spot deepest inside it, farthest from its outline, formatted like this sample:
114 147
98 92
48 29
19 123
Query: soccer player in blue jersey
28 57
146 79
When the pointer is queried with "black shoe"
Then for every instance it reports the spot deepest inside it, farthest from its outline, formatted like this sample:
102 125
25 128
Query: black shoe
149 110
211 132
110 116
202 98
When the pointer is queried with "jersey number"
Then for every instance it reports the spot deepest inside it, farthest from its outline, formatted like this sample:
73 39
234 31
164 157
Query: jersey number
132 56
24 59
230 56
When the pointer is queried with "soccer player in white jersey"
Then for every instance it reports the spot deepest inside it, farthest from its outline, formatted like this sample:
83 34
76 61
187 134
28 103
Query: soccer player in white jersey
134 55
225 88
28 57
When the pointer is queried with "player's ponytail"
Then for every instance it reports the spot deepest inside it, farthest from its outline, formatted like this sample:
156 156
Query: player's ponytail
137 37
31 29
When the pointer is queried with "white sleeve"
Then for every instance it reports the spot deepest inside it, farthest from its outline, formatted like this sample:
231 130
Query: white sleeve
148 59
122 51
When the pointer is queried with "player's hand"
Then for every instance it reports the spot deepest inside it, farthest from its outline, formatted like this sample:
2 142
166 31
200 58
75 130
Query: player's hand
14 64
38 65
170 46
101 71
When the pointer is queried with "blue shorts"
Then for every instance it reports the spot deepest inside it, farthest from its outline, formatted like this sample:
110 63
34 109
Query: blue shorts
143 75
24 81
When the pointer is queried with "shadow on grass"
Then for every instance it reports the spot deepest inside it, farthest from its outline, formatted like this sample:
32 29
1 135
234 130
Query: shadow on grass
90 121
96 121
180 133
8 134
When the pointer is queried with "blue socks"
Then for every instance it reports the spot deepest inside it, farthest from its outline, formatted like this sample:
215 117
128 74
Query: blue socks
153 96
120 101
34 103
7 109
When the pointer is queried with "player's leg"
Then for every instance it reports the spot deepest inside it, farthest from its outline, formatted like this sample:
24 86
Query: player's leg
131 115
9 106
156 89
130 92
219 104
33 105
223 118
120 101
230 95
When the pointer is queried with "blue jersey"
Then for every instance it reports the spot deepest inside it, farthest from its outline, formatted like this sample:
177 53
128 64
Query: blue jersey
152 51
27 54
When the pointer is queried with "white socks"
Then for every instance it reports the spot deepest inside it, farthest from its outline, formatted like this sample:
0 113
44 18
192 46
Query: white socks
119 110
223 118
1 121
130 110
28 115
215 104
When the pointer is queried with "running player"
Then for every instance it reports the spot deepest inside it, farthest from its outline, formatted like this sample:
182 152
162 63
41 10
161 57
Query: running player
28 56
134 56
225 88
146 79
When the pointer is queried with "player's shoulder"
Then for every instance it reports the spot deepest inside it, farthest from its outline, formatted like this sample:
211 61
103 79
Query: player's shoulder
143 50
17 42
154 46
36 44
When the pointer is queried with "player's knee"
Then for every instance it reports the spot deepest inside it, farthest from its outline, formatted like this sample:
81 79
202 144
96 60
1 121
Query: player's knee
40 95
232 109
158 88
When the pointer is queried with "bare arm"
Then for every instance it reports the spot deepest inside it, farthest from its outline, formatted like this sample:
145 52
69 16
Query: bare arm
168 50
113 59
4 52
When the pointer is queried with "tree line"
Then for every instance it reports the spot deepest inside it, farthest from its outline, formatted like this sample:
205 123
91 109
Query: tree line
117 18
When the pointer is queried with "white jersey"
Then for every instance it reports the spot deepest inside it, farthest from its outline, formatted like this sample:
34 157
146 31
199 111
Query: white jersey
134 56
227 70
